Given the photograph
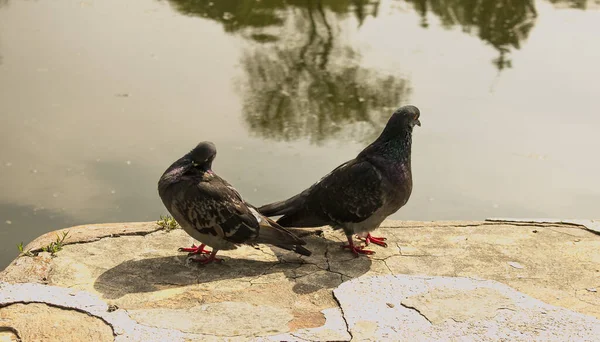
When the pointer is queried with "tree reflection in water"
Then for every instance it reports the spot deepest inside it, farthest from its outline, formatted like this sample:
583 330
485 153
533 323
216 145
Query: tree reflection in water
312 86
504 24
577 4
301 81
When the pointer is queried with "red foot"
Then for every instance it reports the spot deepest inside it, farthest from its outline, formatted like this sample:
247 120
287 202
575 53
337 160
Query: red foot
376 240
357 250
195 250
207 260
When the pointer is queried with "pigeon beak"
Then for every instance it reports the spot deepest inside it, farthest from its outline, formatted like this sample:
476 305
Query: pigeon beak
417 122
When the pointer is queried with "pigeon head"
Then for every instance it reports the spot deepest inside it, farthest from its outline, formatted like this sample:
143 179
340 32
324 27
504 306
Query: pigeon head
203 155
405 117
397 134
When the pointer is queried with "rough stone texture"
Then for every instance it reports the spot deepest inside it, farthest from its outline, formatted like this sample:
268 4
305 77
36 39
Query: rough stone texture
93 232
119 322
429 309
160 295
217 319
59 325
334 329
591 225
9 334
440 304
28 269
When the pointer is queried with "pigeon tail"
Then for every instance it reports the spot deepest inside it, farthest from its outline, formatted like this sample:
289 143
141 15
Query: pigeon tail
301 219
295 248
273 234
286 207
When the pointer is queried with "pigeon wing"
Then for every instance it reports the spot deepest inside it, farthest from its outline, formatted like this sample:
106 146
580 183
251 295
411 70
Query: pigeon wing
350 193
214 207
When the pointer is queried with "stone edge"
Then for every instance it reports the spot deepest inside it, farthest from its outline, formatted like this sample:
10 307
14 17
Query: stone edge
589 225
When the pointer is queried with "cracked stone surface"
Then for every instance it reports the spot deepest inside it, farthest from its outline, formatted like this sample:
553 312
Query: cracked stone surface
266 293
440 304
216 319
59 325
410 308
9 334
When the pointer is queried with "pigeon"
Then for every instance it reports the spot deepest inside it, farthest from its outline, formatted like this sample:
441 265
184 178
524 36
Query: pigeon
213 212
359 194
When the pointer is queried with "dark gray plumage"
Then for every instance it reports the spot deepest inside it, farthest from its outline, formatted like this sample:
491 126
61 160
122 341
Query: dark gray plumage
359 194
211 211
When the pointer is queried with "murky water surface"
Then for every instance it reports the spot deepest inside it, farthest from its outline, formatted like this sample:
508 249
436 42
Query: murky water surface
97 98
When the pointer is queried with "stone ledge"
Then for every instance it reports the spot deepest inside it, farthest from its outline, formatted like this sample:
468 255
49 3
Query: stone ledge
591 225
131 278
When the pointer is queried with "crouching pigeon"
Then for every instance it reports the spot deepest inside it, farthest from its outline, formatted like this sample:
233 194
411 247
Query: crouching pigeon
359 194
211 211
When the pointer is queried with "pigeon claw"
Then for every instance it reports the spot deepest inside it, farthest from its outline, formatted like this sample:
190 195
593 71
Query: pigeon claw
203 259
376 240
206 260
358 250
195 250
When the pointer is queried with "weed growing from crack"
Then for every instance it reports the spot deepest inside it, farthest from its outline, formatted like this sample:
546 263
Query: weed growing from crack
167 222
23 252
57 245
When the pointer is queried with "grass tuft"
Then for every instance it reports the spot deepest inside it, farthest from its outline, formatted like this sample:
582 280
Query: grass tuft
167 222
57 245
23 252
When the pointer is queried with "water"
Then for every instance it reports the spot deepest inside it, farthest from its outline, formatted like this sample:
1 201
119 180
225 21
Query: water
98 97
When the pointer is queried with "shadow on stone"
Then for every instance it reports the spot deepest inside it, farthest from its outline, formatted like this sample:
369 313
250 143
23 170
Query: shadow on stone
324 269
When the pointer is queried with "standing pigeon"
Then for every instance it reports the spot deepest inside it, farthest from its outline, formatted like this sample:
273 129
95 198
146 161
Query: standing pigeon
359 194
211 211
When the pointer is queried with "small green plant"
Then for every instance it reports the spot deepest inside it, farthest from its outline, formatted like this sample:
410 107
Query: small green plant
57 245
22 251
167 222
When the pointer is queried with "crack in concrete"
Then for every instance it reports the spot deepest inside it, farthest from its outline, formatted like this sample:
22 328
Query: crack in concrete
492 222
190 334
12 330
328 269
539 224
343 315
411 255
305 275
119 321
577 296
63 307
417 310
300 338
388 267
295 275
327 257
98 238
565 233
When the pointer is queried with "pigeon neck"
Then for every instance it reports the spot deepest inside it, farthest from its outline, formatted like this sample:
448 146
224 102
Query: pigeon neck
395 146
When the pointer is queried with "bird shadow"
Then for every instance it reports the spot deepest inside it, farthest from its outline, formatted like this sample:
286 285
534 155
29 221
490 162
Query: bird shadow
323 269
